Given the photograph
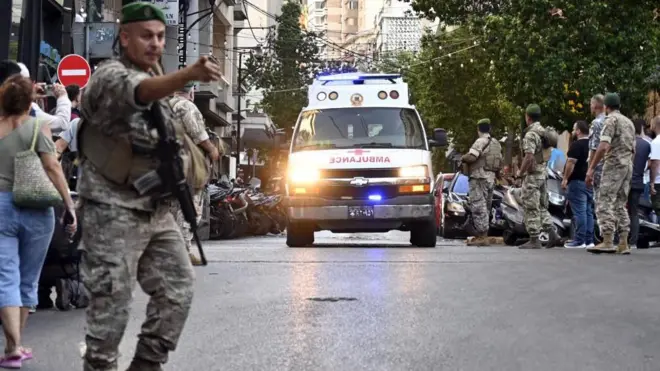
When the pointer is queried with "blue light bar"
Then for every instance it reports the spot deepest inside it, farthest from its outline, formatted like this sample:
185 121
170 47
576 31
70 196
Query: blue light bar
357 78
336 71
375 197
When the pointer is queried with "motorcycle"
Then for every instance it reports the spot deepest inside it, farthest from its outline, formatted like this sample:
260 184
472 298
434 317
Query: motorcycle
649 231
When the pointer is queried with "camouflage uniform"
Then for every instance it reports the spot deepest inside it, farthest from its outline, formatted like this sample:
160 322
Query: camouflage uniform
594 141
534 186
619 131
193 123
127 237
482 182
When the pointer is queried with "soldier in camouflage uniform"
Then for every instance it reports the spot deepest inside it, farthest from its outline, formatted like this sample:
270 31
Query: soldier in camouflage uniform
130 236
192 120
484 161
598 111
534 187
617 146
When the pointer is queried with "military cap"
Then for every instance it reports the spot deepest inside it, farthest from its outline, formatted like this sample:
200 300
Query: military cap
189 86
533 109
141 12
484 122
612 100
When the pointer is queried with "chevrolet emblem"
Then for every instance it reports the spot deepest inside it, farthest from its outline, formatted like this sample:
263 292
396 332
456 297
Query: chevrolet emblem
359 182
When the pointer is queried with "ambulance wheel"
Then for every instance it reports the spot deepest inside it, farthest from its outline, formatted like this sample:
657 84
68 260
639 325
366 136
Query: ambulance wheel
424 234
299 234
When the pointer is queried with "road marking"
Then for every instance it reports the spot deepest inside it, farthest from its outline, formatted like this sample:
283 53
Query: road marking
81 72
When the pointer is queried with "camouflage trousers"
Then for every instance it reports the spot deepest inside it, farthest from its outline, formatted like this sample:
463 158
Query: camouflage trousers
535 203
481 196
122 247
612 198
175 209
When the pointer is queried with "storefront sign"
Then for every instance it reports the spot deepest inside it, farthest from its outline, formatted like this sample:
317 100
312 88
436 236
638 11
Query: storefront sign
171 10
51 56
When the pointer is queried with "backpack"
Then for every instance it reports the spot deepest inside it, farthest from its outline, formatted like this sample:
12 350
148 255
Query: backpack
549 139
494 158
198 171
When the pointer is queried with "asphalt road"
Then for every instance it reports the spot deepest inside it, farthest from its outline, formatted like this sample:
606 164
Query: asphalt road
369 302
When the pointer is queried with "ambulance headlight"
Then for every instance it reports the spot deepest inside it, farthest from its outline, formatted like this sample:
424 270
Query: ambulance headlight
321 96
413 172
303 174
333 95
382 94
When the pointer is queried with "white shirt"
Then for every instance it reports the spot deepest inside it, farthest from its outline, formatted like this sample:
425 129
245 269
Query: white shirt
655 154
61 120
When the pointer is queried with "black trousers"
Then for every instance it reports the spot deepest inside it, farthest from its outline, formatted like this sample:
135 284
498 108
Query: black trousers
633 207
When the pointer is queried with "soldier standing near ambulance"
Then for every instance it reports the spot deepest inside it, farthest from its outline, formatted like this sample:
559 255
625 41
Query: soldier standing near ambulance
192 120
484 161
534 187
617 146
129 233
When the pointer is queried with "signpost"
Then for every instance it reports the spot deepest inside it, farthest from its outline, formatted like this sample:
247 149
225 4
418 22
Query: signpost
73 69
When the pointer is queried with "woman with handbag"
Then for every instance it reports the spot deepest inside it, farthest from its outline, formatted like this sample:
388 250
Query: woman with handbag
31 183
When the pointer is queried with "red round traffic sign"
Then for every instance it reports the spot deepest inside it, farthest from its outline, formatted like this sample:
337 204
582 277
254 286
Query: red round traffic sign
73 69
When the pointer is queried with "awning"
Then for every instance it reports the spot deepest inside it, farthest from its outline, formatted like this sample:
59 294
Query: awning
214 119
256 138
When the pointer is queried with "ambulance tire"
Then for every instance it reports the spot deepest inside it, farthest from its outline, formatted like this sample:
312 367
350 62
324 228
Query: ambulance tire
299 235
424 234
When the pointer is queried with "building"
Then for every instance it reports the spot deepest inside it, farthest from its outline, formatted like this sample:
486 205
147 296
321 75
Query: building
337 20
397 29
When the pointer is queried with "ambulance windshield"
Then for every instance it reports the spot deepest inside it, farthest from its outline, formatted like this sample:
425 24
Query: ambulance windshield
359 127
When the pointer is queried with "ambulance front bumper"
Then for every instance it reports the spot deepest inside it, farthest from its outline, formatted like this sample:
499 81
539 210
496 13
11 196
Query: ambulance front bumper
401 208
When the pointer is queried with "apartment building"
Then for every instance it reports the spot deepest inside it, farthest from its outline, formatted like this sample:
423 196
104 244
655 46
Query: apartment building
337 20
397 29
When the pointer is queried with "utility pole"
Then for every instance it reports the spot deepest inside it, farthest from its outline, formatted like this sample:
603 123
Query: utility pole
238 120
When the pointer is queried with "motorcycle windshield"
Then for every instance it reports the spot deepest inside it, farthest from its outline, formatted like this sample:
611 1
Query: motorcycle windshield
557 161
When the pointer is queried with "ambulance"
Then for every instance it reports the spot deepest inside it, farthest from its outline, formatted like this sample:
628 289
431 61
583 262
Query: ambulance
360 161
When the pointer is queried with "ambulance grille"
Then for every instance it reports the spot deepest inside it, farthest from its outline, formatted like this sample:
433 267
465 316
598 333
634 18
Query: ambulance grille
359 173
347 192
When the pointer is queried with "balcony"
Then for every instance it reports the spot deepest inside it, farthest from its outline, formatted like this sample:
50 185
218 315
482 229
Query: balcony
208 90
239 11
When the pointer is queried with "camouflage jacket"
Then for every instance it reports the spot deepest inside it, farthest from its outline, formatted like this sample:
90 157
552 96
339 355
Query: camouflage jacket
477 168
619 132
594 137
190 117
533 143
109 103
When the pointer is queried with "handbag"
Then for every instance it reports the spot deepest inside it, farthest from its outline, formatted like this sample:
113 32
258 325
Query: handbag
32 187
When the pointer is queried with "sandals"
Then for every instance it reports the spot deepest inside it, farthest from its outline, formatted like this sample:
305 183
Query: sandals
15 362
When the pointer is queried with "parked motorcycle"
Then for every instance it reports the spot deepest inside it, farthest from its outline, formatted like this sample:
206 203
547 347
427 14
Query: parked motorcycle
649 231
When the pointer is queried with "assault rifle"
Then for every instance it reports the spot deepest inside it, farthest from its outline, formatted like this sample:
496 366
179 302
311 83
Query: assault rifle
171 171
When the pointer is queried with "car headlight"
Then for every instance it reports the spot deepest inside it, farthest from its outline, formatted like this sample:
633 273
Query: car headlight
413 172
555 198
455 207
303 174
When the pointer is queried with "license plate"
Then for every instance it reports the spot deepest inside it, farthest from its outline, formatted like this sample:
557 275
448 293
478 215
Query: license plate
360 212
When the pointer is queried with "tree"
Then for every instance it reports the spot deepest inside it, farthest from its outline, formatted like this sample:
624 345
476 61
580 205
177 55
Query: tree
545 52
285 70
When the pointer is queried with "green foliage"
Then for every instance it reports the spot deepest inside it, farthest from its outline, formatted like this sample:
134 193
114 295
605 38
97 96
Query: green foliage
455 92
284 71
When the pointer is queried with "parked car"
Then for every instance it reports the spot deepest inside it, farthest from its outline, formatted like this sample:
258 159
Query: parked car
442 181
453 207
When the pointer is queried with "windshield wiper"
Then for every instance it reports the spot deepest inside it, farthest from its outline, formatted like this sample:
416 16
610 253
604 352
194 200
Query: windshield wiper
317 146
373 145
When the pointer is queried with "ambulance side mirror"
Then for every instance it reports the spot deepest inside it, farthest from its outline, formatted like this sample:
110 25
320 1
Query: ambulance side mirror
439 138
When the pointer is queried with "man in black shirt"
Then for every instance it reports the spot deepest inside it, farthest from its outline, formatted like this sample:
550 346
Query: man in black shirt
578 194
642 154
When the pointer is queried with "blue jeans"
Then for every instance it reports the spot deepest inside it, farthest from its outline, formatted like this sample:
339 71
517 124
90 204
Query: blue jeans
582 204
24 239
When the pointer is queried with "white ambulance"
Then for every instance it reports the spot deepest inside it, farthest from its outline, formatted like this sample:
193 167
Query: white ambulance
360 161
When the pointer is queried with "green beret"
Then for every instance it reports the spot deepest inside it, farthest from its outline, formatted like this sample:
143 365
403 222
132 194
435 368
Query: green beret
141 12
189 86
484 121
533 109
612 100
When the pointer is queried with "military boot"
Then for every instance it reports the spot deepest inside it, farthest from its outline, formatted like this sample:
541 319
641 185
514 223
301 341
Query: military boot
607 246
623 248
144 365
553 238
194 259
533 244
478 241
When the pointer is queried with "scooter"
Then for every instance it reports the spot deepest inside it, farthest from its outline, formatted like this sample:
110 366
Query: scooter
649 231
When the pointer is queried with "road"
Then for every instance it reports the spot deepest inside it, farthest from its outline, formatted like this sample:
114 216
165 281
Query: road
371 303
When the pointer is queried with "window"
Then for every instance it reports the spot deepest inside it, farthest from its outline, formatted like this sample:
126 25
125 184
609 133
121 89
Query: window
359 128
352 4
462 185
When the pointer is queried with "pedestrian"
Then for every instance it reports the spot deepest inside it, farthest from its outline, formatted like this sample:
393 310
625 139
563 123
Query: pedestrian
126 235
640 162
578 194
25 233
484 162
654 166
598 112
534 187
617 146
193 123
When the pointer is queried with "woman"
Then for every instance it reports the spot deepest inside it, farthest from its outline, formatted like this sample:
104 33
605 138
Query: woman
24 233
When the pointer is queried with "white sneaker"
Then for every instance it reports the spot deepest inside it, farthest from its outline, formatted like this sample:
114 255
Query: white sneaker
633 246
573 245
590 246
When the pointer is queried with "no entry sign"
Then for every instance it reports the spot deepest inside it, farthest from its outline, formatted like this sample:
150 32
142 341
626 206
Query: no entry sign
73 69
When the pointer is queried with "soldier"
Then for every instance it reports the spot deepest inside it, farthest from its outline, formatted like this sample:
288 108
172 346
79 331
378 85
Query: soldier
193 123
534 193
129 233
484 161
617 145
